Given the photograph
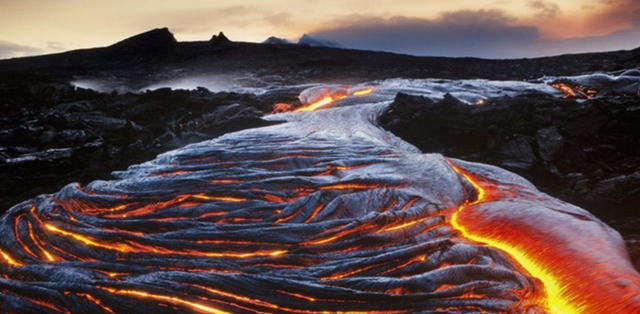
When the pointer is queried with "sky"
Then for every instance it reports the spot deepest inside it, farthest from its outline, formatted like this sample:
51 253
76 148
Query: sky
457 28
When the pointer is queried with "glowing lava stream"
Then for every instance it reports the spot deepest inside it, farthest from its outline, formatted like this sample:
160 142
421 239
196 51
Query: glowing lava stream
171 299
325 213
333 97
571 282
9 259
318 104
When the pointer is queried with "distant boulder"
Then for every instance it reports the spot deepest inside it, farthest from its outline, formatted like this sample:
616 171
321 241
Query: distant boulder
219 39
276 41
159 37
307 40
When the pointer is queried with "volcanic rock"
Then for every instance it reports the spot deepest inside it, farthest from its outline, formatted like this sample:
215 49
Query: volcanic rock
549 142
587 152
517 153
74 135
219 39
50 155
598 150
327 212
619 188
80 135
48 137
132 69
636 54
632 72
156 38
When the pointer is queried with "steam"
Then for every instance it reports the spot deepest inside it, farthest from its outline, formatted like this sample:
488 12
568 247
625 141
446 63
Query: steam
213 83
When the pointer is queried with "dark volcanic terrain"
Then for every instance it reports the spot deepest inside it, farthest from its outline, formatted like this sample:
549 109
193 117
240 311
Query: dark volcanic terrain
585 153
155 56
52 136
53 133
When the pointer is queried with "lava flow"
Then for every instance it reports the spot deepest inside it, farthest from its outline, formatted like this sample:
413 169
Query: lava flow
574 91
573 273
327 213
327 95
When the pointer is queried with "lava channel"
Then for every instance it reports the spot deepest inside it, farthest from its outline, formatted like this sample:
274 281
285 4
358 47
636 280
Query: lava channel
327 213
574 260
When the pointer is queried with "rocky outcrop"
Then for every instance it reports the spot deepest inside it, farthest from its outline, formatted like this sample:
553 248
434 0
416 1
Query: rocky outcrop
219 39
585 152
50 136
156 38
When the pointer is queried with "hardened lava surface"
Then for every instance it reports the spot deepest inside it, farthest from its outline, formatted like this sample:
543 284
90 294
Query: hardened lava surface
326 213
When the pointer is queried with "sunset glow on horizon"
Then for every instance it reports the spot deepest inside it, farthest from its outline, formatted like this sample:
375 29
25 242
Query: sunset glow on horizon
506 28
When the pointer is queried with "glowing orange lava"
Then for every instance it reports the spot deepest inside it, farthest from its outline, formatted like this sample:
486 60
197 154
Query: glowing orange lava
132 247
573 281
96 302
330 98
282 107
142 294
574 91
312 236
363 92
318 104
568 91
10 259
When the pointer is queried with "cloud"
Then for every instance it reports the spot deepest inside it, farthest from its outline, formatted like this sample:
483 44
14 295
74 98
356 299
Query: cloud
622 13
636 19
200 22
483 18
11 50
204 21
234 10
546 9
624 39
279 19
56 46
483 33
317 42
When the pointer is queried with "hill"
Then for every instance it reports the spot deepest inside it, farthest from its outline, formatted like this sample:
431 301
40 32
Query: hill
153 56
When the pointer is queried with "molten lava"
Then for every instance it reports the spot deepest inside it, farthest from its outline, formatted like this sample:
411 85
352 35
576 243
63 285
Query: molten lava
327 213
574 91
328 96
320 103
571 282
171 299
282 107
363 92
9 259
